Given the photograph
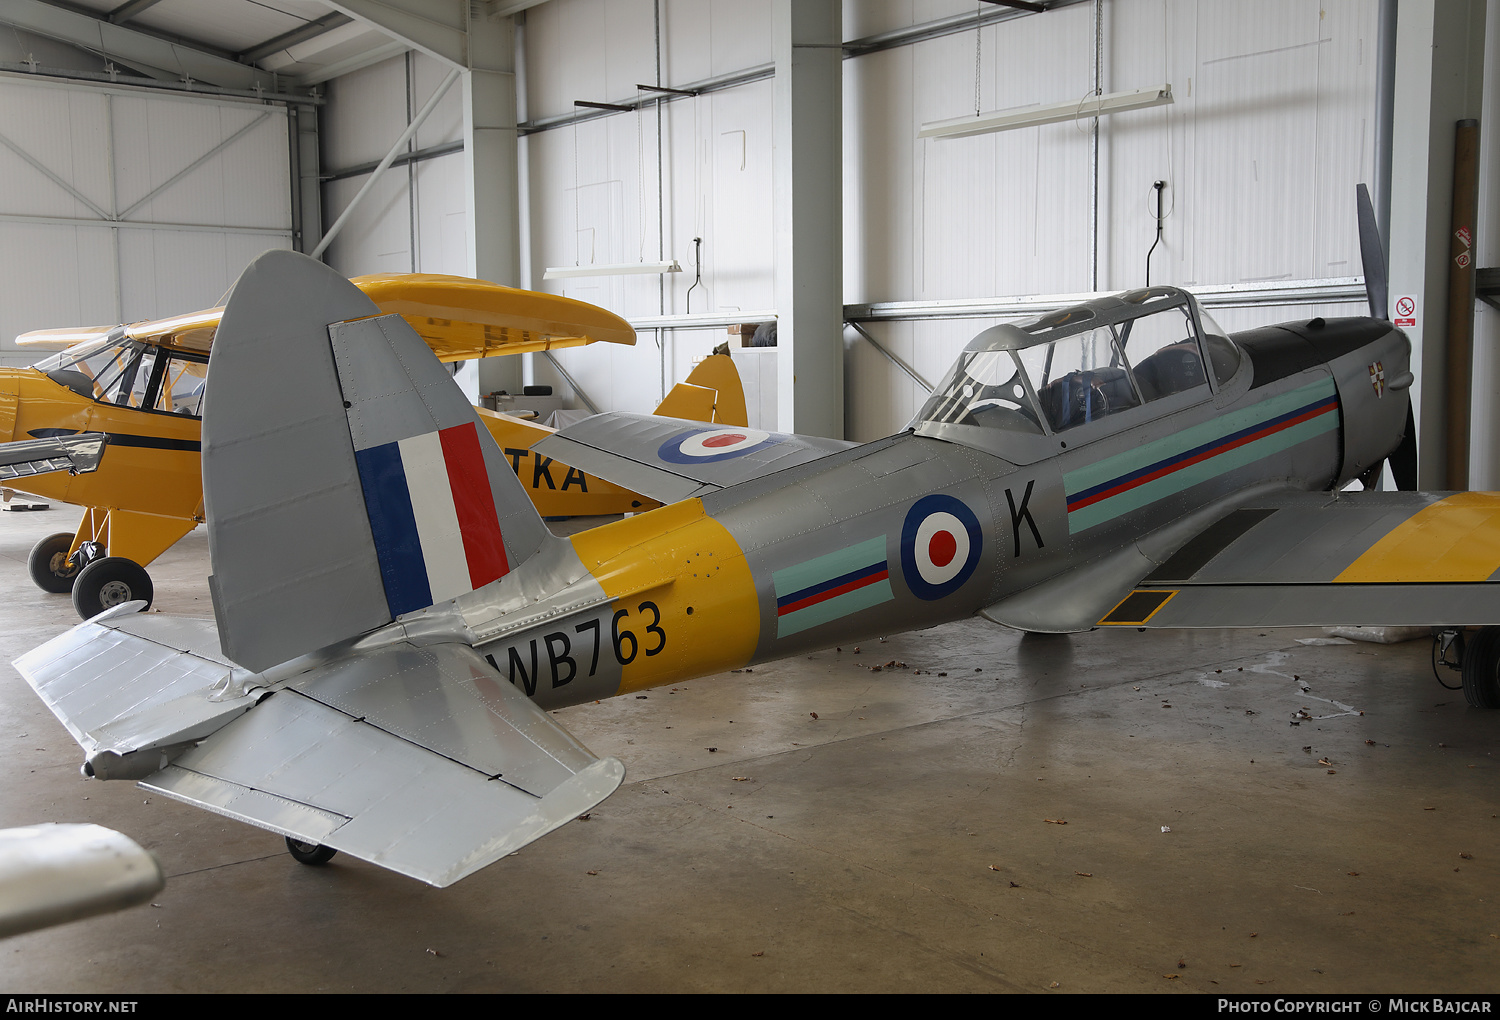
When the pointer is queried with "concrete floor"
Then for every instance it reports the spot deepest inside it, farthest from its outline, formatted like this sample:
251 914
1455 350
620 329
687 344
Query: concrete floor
910 838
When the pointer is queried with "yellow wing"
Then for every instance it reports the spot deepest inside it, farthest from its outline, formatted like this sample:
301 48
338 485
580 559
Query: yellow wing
459 318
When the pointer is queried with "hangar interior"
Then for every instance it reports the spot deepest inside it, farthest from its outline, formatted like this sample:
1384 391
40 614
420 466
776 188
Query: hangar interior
959 809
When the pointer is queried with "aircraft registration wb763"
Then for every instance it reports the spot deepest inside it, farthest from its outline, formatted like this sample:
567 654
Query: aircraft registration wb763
140 386
393 621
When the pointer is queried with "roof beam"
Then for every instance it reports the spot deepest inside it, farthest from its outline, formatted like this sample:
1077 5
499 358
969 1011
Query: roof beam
130 9
301 34
73 26
438 28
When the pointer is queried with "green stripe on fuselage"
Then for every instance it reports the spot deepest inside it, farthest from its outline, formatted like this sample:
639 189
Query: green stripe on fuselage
839 606
1190 439
826 568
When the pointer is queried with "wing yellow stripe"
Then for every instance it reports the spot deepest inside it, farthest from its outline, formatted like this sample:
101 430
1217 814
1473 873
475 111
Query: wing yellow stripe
1454 539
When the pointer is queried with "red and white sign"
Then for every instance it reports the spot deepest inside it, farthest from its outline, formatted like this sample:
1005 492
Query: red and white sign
1406 310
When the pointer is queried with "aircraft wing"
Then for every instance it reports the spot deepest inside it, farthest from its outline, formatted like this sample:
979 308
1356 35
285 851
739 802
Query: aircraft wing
421 759
1298 560
459 318
670 459
78 454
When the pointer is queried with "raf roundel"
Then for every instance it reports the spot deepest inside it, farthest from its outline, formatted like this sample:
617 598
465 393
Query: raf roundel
709 445
940 546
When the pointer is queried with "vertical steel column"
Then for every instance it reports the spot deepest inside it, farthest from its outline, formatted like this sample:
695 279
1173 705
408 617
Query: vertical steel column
807 189
1385 102
1439 80
1461 299
491 170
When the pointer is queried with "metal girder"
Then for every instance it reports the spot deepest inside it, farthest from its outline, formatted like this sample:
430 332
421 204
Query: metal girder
77 28
311 30
130 9
438 29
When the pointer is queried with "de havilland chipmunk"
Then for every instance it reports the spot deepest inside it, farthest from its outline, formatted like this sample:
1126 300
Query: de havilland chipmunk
140 388
393 620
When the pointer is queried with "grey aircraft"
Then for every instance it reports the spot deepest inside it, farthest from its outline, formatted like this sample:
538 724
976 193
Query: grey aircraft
393 621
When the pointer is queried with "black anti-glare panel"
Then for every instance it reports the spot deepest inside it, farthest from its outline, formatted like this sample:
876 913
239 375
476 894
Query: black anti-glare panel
1194 556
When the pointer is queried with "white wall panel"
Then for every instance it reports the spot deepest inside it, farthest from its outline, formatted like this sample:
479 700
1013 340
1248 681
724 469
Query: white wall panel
52 276
377 239
442 216
366 113
114 147
243 184
1261 151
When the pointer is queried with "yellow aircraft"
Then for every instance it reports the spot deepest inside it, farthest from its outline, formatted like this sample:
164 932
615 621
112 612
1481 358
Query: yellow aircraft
142 384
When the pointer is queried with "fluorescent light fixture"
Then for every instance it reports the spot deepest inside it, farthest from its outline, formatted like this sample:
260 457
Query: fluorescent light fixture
1052 113
617 269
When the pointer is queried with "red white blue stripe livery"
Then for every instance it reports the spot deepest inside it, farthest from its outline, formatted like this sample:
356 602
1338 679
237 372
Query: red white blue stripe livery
432 513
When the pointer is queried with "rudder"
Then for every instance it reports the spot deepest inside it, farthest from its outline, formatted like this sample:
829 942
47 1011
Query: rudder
314 405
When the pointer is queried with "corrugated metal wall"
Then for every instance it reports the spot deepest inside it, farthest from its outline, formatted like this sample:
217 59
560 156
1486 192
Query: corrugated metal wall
415 218
1268 135
64 263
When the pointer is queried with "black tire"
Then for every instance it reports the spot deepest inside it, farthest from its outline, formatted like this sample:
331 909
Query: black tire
48 564
1482 669
110 582
311 854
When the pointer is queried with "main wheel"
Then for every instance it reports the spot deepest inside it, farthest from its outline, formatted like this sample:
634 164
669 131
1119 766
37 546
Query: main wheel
48 564
1482 669
309 853
110 582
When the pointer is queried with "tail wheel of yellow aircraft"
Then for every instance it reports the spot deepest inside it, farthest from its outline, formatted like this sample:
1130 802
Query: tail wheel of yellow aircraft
48 564
110 582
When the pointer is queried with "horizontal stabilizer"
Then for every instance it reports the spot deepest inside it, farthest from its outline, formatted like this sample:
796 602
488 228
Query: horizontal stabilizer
77 454
421 760
126 684
671 460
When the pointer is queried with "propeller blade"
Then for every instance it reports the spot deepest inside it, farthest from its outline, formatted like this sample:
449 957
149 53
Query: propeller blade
1372 255
1403 459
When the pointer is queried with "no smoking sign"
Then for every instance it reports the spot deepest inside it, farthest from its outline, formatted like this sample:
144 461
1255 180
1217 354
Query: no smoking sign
1406 310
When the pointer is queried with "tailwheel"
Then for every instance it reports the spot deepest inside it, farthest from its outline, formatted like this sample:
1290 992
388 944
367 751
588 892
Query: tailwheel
110 582
49 565
1482 669
311 854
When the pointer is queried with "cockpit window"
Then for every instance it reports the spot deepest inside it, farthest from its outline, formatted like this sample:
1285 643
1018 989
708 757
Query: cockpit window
129 373
984 388
1078 365
1163 351
1080 379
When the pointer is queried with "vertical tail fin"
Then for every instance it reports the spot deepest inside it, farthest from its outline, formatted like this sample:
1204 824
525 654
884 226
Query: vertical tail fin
345 477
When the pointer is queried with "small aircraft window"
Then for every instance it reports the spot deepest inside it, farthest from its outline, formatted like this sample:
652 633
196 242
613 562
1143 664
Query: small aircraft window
182 386
127 387
1080 379
1163 352
983 388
